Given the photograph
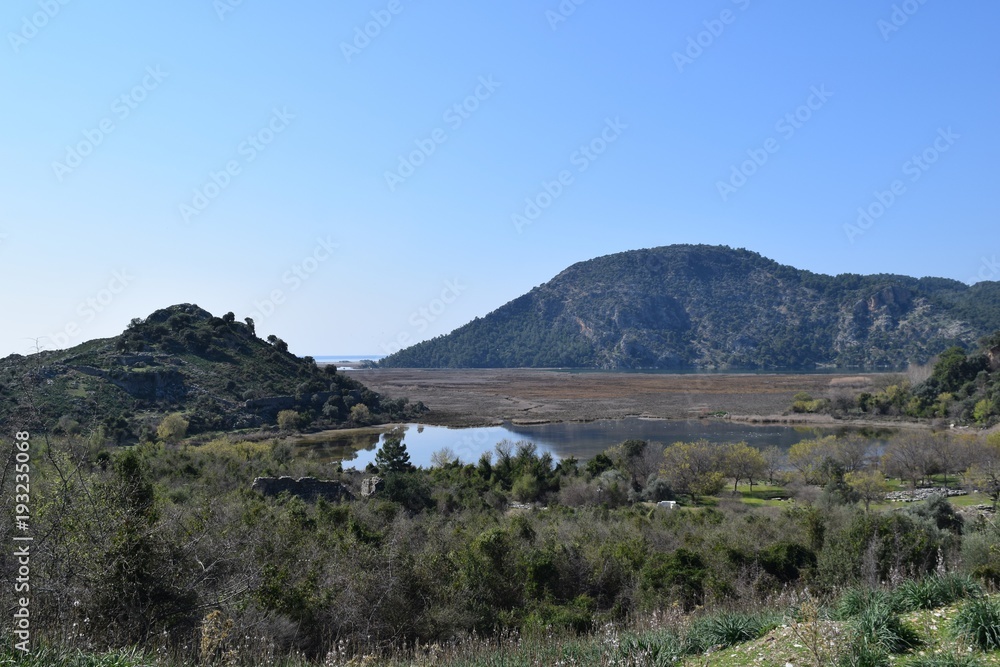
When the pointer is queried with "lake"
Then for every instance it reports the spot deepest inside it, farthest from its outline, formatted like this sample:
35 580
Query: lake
561 439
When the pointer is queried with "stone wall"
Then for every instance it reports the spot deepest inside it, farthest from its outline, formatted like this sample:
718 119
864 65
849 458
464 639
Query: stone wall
307 488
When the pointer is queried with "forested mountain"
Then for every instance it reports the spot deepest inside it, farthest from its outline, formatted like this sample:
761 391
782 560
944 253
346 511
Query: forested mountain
214 372
716 307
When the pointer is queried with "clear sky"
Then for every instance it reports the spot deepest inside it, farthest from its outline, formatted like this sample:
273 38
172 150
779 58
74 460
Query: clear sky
353 190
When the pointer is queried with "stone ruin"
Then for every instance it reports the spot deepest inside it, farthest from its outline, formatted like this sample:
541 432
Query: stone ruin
306 488
371 485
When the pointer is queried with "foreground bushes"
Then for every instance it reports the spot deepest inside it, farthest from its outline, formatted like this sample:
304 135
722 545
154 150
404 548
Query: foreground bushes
144 546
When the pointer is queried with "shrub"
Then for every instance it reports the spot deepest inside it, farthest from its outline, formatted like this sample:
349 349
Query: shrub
172 428
978 622
289 420
527 488
680 575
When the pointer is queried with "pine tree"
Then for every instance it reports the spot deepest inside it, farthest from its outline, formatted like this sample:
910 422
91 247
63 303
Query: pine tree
392 455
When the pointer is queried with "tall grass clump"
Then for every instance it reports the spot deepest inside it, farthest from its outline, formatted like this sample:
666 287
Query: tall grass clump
945 660
876 630
660 648
935 591
44 656
854 601
978 622
728 629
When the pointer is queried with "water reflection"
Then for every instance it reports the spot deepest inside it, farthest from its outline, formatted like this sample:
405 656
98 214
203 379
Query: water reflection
582 440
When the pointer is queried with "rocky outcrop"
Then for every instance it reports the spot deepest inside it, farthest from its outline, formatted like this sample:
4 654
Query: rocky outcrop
993 354
152 385
307 488
371 485
922 494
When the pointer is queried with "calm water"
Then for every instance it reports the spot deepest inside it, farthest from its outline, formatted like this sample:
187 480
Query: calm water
582 440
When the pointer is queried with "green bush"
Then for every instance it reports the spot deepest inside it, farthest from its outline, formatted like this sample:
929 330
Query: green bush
978 622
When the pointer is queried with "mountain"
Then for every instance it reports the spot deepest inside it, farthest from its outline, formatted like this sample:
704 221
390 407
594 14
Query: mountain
215 371
685 306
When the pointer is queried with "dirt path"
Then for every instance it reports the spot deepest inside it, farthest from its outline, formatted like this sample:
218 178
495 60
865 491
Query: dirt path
472 397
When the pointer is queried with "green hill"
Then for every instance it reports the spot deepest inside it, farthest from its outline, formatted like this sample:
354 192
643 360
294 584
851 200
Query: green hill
215 371
715 307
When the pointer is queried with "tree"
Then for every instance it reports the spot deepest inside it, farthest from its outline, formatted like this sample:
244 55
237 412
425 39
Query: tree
807 457
954 368
852 452
172 428
392 455
909 456
229 317
741 461
774 460
443 457
693 468
251 326
868 484
360 414
289 420
984 474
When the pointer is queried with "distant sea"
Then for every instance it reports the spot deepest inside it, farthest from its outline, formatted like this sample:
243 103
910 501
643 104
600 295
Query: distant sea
331 358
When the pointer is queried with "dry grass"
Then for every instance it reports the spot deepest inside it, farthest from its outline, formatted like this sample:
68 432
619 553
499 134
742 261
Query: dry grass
471 397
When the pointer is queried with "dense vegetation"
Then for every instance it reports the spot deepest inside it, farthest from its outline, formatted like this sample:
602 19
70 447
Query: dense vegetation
684 306
961 387
165 547
214 373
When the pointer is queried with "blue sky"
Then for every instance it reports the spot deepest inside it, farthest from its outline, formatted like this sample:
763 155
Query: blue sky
277 161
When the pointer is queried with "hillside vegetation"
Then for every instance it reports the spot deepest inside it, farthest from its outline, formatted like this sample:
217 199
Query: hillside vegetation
713 306
213 373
